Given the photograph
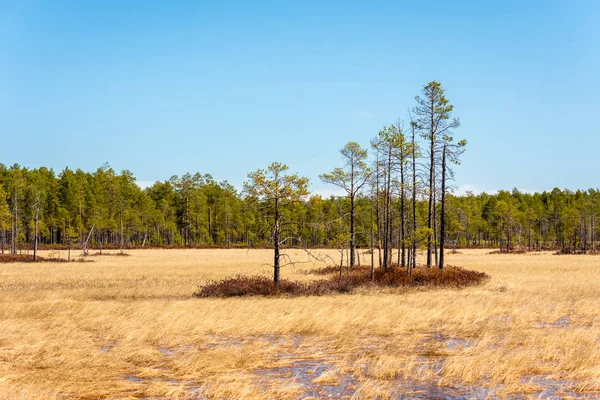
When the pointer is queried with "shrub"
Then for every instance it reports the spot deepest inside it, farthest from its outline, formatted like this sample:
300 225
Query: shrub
248 286
28 258
240 285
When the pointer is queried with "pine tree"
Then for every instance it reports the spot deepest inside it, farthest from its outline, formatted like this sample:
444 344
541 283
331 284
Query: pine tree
277 190
351 179
433 114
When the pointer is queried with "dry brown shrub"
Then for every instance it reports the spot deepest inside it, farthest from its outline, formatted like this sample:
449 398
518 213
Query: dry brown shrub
514 251
98 254
28 258
240 285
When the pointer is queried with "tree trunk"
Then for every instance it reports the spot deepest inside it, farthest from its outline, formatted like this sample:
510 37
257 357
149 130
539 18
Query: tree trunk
443 216
352 235
372 245
35 234
431 186
341 263
15 236
402 211
435 227
585 233
276 267
352 218
378 212
593 231
387 223
347 258
399 254
414 205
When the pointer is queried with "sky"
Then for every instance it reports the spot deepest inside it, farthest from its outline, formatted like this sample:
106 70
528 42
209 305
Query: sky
166 87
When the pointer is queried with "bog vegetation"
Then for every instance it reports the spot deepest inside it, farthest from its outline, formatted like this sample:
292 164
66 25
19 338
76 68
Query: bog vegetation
356 278
128 327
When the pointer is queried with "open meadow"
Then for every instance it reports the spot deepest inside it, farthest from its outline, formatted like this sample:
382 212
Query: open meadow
128 327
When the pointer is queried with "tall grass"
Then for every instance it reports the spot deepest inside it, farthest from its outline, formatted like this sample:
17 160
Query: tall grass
127 327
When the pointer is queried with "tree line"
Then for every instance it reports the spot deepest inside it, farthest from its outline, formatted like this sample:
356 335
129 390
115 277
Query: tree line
397 202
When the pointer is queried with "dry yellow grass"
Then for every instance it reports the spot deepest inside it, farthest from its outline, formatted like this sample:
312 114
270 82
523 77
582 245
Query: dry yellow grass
127 327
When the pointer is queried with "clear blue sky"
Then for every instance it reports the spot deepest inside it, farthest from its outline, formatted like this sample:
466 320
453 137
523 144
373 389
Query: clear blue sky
165 87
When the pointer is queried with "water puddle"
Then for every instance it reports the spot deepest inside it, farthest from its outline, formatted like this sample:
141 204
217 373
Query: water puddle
549 389
458 344
453 343
312 368
109 346
218 342
557 389
190 388
315 377
430 390
133 378
171 351
562 322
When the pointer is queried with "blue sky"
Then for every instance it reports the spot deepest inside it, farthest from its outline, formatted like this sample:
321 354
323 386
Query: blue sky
166 87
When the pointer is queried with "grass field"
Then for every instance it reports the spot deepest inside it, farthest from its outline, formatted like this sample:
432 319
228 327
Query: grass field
128 327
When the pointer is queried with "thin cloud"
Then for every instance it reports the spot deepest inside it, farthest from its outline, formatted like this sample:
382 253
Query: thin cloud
144 184
462 190
328 192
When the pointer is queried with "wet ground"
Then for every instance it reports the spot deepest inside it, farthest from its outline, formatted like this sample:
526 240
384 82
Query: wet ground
314 372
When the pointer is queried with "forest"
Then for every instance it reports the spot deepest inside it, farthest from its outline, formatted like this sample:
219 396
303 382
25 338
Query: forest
397 194
194 210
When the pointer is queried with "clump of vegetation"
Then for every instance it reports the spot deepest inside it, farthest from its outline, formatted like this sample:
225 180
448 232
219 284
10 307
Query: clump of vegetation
17 258
241 285
568 251
99 254
248 285
263 286
513 251
28 258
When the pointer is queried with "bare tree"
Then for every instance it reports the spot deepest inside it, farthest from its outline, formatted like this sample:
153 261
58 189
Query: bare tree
414 126
36 207
383 145
450 153
433 114
402 151
17 185
5 216
351 179
392 150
